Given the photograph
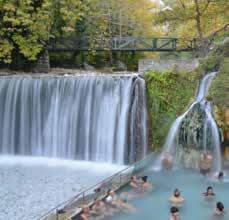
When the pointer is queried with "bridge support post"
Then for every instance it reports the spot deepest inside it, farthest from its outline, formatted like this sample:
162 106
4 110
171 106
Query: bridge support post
174 44
154 44
82 58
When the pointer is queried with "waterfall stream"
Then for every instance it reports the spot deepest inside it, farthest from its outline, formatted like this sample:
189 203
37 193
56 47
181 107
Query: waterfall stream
97 118
195 131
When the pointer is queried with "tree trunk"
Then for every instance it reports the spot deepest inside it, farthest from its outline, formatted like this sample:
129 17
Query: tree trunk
111 60
198 20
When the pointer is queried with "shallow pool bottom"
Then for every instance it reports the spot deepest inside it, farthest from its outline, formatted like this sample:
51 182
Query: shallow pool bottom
29 187
155 205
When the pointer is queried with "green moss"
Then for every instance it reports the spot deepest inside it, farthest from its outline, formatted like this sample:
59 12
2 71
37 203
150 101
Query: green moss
219 94
219 90
168 94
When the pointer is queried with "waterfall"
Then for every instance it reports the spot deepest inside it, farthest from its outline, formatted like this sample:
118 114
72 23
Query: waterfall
194 131
97 117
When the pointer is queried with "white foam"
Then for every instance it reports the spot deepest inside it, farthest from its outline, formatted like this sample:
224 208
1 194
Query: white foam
55 162
31 186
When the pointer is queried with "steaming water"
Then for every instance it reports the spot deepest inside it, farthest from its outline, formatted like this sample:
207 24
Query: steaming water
192 184
92 118
32 186
171 143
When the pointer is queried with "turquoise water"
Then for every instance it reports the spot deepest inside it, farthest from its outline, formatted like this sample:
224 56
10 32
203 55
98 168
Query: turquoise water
155 205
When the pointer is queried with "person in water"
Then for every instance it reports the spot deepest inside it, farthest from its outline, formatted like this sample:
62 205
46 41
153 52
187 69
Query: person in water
209 194
220 176
112 202
98 209
145 185
167 161
124 205
85 214
175 215
111 197
219 211
206 161
116 204
176 198
135 182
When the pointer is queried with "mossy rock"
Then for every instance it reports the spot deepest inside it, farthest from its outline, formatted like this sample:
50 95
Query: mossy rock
168 94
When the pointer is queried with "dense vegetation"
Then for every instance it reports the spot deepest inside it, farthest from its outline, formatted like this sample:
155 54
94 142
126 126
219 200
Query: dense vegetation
168 94
219 91
194 18
26 27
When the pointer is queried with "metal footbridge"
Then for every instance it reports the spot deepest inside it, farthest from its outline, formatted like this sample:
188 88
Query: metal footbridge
141 44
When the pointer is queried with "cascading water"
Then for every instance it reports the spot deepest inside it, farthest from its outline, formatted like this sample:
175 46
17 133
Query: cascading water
194 131
97 118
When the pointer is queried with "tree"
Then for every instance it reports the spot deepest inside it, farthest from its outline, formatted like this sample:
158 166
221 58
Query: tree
194 18
26 26
121 18
118 18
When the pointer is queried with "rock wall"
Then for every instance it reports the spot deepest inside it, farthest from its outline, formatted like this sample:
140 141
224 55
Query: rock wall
169 64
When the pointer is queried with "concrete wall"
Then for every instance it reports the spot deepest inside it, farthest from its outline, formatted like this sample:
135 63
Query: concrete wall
169 64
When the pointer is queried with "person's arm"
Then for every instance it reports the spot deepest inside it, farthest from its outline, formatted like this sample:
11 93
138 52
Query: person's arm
84 217
134 185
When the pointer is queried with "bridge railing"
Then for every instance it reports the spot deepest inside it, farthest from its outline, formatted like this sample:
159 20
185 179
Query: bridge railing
74 205
122 44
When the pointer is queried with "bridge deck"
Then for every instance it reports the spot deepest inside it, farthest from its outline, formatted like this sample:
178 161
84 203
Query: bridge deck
122 44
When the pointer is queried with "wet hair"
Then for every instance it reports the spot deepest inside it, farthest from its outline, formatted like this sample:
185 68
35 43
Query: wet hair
144 179
61 211
220 175
176 193
97 190
174 210
207 192
220 206
108 191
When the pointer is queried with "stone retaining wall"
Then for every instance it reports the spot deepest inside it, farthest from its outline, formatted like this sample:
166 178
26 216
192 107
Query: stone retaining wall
169 64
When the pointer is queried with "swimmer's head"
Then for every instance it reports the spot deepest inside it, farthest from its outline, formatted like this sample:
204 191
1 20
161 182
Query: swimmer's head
134 178
220 175
220 206
111 192
144 179
176 192
174 211
210 191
